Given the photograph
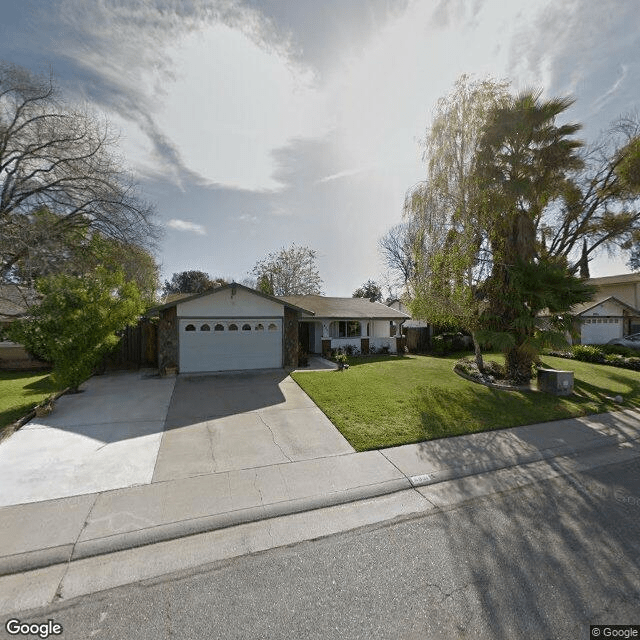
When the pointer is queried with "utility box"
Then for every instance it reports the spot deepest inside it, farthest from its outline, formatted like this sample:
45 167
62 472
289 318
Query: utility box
558 383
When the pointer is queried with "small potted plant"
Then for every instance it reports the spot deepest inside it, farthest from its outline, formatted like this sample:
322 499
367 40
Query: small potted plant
341 359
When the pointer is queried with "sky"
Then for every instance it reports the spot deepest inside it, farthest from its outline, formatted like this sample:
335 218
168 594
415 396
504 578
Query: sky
255 124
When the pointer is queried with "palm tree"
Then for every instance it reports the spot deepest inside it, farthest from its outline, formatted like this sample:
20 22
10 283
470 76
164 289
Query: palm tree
523 166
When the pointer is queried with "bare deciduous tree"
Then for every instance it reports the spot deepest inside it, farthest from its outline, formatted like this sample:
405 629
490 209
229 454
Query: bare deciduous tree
60 180
600 205
289 272
397 248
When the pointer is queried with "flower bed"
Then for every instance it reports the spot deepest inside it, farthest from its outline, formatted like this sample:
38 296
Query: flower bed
492 376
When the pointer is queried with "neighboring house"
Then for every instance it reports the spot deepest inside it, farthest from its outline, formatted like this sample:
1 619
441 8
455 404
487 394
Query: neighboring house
14 304
613 312
605 319
339 322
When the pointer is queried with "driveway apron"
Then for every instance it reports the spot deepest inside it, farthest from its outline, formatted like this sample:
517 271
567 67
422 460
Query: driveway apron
233 421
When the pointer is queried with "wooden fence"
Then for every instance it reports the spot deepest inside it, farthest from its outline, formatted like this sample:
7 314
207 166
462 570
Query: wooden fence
138 347
418 339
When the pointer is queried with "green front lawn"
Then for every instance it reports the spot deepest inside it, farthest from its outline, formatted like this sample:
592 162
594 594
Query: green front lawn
387 401
20 392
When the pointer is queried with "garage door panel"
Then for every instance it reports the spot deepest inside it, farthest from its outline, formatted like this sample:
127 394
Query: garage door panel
230 350
600 330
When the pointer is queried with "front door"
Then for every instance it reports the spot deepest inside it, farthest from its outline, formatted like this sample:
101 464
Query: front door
303 336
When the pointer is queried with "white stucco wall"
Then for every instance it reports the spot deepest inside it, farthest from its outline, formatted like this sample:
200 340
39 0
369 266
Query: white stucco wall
227 304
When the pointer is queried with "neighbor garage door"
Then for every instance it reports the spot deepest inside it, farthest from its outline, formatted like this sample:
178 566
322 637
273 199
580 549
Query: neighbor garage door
227 345
600 330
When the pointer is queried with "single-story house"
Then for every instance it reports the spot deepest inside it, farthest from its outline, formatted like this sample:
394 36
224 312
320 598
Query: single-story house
227 328
234 327
334 323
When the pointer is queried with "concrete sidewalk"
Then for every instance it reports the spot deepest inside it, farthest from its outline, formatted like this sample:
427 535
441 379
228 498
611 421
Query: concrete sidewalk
50 532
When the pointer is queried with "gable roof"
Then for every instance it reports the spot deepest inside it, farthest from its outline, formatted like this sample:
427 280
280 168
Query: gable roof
195 296
579 309
345 308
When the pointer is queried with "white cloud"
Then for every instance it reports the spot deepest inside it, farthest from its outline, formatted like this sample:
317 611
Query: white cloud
342 174
232 104
185 225
607 95
206 89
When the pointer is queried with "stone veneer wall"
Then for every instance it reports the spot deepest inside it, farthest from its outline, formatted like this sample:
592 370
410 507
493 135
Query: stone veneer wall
168 339
290 338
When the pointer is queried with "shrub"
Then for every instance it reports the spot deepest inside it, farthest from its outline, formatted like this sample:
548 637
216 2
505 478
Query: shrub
558 354
630 363
448 343
618 350
587 353
601 354
75 323
350 350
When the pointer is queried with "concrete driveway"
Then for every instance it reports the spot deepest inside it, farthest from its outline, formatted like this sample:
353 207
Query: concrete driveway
105 437
129 429
228 422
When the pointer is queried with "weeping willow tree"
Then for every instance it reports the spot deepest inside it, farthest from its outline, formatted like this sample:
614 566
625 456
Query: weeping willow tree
451 257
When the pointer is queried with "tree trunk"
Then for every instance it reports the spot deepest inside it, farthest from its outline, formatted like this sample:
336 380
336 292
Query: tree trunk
518 364
478 352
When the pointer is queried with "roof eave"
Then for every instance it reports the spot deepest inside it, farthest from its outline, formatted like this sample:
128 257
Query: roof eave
231 285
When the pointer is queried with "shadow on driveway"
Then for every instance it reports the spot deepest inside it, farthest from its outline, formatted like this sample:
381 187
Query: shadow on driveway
203 397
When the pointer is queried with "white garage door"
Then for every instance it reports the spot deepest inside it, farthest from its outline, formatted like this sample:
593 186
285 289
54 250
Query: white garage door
601 330
227 345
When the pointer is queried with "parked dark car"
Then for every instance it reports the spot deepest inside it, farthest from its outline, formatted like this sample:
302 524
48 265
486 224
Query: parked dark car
632 341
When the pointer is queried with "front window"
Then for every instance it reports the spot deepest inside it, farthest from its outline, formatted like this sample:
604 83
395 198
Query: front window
345 329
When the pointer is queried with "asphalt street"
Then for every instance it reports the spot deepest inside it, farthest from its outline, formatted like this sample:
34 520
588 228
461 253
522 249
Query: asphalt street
543 561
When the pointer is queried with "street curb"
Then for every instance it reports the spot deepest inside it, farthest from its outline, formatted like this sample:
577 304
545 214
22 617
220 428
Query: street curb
37 559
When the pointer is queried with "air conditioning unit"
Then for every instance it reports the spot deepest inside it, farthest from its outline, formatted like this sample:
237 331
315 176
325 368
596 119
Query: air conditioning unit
558 383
